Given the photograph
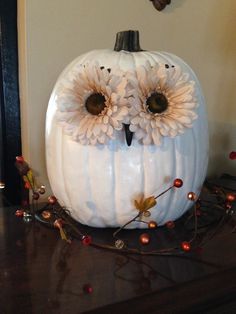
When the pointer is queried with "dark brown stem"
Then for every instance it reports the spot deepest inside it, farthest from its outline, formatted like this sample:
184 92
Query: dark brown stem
121 228
127 41
164 192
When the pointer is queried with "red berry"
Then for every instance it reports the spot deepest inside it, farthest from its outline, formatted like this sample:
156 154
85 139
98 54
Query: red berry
52 199
87 288
19 212
20 159
232 155
178 183
86 240
170 224
230 197
186 246
27 185
144 238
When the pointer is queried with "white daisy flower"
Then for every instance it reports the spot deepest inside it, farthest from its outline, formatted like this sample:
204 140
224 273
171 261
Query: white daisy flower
92 103
164 103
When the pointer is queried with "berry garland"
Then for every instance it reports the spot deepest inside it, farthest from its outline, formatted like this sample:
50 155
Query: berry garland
206 218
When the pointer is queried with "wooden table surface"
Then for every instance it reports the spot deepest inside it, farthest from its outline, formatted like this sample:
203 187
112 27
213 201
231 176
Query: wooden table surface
40 273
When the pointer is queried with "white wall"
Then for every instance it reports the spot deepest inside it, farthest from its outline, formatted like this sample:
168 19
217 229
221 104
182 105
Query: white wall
53 32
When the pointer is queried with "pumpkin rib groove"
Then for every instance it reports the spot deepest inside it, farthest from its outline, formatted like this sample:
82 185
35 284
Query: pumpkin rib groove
186 173
88 185
175 171
172 172
195 161
150 55
97 212
89 188
114 205
62 167
142 176
204 128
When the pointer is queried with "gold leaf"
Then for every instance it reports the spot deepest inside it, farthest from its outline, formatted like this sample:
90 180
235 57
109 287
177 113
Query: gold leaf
149 203
138 204
145 204
30 177
63 235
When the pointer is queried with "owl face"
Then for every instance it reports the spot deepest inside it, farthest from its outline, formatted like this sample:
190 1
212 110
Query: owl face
148 103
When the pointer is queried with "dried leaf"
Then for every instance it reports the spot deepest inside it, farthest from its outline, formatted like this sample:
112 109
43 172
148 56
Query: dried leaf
63 235
30 177
149 203
145 204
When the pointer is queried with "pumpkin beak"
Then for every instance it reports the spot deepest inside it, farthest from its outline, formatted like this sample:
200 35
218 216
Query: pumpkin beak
128 134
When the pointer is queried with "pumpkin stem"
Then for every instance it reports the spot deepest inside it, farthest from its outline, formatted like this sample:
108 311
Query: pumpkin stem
128 41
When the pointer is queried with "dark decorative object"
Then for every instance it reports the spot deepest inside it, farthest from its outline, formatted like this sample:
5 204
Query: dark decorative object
160 4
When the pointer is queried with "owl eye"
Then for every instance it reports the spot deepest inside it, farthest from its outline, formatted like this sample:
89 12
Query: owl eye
157 103
95 103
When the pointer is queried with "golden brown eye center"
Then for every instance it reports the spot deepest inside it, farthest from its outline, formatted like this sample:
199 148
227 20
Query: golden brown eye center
95 103
157 103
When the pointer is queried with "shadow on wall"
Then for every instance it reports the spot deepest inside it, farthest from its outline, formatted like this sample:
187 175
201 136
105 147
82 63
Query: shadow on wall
222 142
220 56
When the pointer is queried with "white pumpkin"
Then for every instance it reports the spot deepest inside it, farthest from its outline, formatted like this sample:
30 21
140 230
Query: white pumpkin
92 170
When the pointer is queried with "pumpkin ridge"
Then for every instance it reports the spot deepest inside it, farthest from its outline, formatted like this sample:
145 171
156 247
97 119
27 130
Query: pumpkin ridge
114 205
62 151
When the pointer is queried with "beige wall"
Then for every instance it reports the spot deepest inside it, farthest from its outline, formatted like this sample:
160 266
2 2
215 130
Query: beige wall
53 32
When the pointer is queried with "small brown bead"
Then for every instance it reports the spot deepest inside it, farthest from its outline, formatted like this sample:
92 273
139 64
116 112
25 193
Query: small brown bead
186 246
52 199
230 197
144 238
152 225
178 183
46 214
192 196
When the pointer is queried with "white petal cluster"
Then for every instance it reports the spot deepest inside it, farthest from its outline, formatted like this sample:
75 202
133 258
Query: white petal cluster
82 82
179 92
